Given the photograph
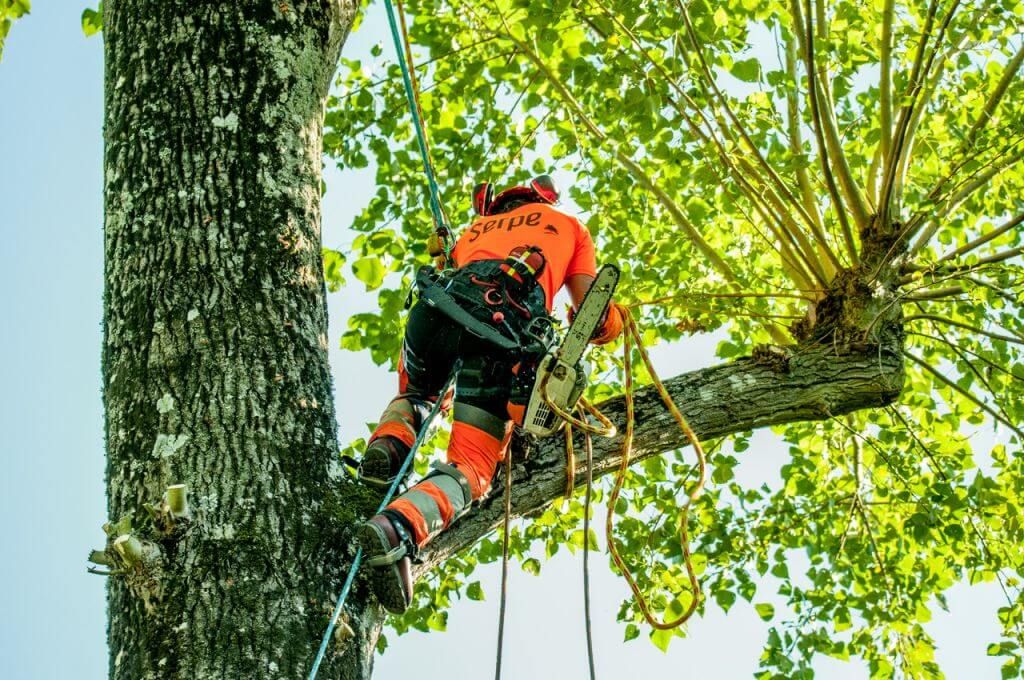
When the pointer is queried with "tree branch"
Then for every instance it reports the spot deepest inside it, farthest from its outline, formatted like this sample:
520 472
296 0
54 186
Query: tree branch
885 81
964 326
964 393
984 238
818 119
886 196
681 220
934 217
776 183
815 383
711 137
1009 73
854 196
796 142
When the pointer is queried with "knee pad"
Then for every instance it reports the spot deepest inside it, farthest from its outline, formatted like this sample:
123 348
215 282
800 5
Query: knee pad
450 480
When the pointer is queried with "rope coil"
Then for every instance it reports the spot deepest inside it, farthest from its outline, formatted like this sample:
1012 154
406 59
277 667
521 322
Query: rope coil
632 335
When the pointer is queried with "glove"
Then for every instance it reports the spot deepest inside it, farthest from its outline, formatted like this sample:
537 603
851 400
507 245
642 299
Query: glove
611 326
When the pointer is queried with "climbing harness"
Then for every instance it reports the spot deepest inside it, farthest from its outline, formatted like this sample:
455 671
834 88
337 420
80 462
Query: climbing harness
358 559
490 305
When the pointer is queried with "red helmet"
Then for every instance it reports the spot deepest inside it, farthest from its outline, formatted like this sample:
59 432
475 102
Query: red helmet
540 189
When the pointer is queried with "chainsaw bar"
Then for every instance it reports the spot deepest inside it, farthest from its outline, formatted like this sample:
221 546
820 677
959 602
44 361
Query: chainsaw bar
589 315
561 375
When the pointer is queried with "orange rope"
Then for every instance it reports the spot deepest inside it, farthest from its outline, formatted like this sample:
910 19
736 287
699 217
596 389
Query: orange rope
633 334
607 429
570 462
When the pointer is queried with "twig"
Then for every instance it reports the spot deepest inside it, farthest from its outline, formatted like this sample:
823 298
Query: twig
885 81
964 326
1013 223
796 144
817 119
962 392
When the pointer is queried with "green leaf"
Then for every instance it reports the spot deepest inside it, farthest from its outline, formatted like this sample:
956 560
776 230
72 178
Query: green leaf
438 621
725 599
474 591
765 610
662 638
92 20
369 270
721 18
748 70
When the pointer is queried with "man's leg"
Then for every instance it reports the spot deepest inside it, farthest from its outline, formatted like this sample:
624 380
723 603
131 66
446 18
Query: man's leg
478 442
428 355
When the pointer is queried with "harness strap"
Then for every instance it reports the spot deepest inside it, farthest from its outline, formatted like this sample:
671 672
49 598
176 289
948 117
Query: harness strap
438 298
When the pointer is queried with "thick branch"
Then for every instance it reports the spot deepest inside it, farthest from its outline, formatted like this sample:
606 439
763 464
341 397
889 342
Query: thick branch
816 383
885 81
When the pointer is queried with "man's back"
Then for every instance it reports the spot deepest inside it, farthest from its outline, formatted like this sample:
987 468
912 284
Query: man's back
564 242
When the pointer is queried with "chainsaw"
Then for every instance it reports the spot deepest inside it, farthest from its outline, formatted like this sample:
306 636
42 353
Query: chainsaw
561 375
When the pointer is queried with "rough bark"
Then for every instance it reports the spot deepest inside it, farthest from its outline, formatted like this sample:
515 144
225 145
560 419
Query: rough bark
214 358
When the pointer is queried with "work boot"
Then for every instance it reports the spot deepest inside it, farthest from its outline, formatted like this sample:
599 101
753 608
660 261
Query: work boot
382 461
388 547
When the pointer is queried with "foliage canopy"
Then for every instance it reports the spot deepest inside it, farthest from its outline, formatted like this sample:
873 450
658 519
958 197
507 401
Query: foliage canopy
735 159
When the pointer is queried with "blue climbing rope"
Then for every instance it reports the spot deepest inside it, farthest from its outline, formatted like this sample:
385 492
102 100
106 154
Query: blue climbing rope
358 560
440 223
441 226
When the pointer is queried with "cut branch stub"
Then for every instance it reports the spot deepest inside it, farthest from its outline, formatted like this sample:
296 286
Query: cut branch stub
176 498
129 548
100 557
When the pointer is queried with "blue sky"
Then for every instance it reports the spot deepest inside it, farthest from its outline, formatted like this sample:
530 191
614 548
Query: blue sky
51 425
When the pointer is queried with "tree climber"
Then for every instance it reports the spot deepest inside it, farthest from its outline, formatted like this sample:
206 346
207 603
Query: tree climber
509 264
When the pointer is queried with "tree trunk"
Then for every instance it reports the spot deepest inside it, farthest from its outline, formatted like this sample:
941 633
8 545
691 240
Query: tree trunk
214 359
215 364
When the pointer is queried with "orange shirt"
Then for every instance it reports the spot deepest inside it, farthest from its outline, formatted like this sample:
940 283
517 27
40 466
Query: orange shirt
564 242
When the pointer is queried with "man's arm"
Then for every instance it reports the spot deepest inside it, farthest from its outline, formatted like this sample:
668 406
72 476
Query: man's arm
611 325
578 285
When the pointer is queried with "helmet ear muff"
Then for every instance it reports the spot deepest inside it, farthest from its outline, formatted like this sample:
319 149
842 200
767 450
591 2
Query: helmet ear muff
544 187
483 198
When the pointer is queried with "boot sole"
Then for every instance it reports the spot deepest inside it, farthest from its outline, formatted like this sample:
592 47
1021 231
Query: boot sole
375 471
386 581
